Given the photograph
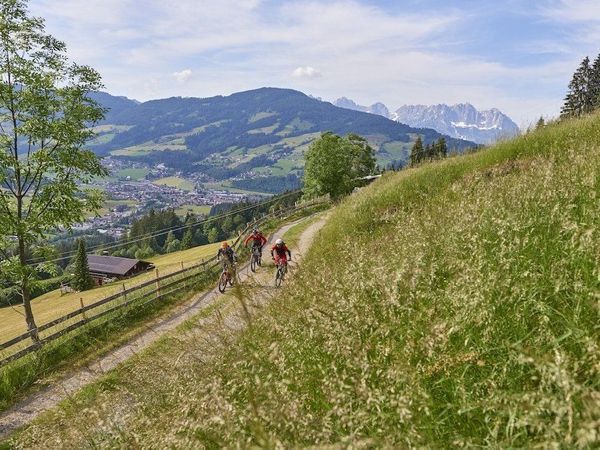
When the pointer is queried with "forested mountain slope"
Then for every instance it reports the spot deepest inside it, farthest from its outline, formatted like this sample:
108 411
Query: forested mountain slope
264 130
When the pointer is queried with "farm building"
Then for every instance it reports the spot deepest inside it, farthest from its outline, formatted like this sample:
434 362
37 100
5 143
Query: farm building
103 268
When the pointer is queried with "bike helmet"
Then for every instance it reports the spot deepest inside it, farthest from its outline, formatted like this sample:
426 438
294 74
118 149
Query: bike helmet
225 245
255 231
279 242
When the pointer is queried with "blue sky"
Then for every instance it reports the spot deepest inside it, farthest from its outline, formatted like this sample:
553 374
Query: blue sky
517 56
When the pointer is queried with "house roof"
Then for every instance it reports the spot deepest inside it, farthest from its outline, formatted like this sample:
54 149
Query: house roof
111 265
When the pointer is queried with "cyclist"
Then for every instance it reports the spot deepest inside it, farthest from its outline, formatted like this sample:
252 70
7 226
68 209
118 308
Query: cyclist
280 253
226 255
258 241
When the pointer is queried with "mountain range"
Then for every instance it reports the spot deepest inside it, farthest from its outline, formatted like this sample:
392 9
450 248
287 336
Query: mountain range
263 132
461 121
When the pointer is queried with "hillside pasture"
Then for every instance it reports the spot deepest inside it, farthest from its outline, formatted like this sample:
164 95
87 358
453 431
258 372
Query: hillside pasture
176 182
53 305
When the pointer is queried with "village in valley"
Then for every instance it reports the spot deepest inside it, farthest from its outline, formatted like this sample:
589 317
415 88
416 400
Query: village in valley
133 188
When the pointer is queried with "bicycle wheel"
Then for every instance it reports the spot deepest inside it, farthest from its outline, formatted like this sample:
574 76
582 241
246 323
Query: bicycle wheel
253 262
222 282
278 277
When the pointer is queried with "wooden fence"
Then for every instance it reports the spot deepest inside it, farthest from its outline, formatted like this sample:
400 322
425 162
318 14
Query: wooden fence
138 296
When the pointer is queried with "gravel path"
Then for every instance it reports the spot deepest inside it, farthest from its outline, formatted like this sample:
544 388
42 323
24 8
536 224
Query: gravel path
28 409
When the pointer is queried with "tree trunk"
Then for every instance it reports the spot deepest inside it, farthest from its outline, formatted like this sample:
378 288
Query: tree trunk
29 319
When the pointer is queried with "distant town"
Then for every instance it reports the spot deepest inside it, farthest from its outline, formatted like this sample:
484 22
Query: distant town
133 188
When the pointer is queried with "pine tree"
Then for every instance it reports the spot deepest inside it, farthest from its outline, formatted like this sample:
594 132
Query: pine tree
579 98
200 237
169 240
595 83
416 154
82 280
541 123
428 153
188 239
441 148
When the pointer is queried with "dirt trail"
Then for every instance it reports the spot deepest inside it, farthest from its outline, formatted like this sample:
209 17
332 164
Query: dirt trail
28 409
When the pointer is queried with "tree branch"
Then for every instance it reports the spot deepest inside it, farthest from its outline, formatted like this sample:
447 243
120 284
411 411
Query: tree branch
40 169
52 197
9 187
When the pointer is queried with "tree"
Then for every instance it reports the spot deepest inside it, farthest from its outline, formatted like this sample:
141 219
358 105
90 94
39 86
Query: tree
132 251
170 239
430 151
145 252
595 83
417 151
82 280
227 226
362 156
200 237
213 235
441 148
541 123
188 239
46 116
173 246
335 164
579 97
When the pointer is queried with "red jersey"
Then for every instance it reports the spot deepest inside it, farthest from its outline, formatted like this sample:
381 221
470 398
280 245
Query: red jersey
281 251
258 239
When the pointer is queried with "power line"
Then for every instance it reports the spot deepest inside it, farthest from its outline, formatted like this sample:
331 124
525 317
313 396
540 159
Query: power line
164 231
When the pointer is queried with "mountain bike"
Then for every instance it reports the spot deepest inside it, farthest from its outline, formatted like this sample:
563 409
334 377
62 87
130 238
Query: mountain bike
281 271
255 258
227 277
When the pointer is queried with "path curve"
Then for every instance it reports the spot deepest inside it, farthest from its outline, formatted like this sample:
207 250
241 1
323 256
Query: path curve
29 408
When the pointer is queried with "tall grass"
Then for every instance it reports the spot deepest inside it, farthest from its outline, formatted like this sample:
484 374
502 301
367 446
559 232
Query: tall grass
455 304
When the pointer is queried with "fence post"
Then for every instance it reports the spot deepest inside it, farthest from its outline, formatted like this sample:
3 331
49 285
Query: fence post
82 306
157 284
123 293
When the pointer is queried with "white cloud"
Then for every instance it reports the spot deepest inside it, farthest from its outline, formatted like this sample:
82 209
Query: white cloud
183 76
306 72
573 11
366 52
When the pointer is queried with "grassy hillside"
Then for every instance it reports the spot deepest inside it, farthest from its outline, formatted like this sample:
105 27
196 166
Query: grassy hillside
53 304
456 304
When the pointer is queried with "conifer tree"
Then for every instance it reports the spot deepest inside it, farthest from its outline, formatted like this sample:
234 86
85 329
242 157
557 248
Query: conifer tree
188 239
416 153
170 239
579 98
441 148
541 123
82 280
594 87
429 151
